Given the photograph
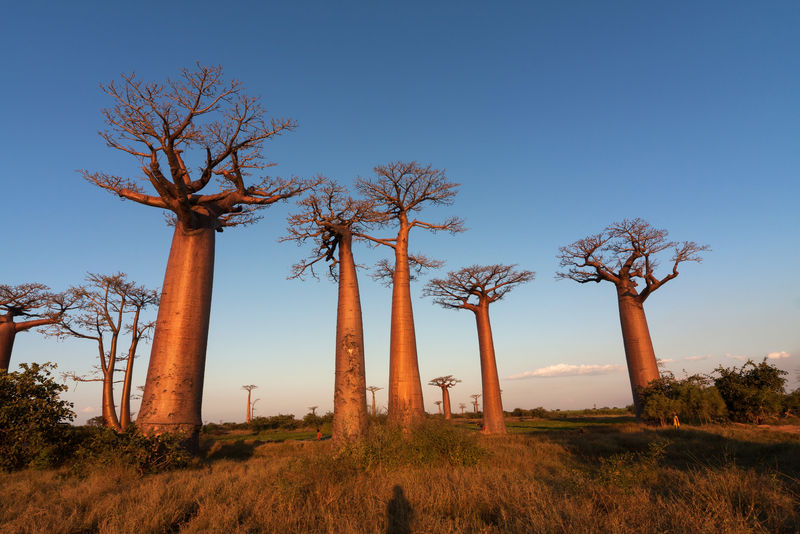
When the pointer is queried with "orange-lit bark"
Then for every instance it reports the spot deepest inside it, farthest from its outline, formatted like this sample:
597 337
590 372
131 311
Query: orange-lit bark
493 420
350 396
406 406
446 403
125 401
173 391
8 332
639 353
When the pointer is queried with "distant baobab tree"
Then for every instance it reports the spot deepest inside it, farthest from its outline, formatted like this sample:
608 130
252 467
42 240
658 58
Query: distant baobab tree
445 383
373 389
313 410
475 398
201 119
399 190
625 254
462 406
438 405
110 306
329 218
475 288
32 301
253 408
249 389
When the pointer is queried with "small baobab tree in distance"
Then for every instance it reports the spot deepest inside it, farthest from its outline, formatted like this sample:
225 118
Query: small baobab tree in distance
373 389
110 306
200 118
33 301
462 406
475 288
399 190
249 389
329 218
475 397
313 410
439 406
626 254
445 383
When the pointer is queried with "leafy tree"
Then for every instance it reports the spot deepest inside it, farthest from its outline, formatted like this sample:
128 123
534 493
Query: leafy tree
752 391
692 398
33 419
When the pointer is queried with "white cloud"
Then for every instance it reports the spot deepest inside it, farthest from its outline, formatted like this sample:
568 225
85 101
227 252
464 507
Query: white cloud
736 357
565 369
89 409
696 358
666 360
778 355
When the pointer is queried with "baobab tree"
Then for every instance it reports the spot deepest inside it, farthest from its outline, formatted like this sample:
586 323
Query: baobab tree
329 218
475 397
373 389
475 288
249 388
399 190
196 118
32 301
445 383
313 410
462 406
439 406
626 254
110 305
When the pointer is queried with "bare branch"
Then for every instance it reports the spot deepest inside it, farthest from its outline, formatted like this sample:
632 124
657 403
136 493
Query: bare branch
476 285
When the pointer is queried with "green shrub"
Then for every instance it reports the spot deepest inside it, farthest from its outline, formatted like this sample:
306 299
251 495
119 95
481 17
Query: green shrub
34 429
148 454
693 398
753 391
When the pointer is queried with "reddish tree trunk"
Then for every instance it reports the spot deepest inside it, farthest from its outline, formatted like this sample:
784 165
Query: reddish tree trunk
405 389
350 395
8 331
642 366
446 402
249 415
493 420
125 401
109 408
173 391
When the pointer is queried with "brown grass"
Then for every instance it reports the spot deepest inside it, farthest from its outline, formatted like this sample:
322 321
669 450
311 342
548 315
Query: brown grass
613 479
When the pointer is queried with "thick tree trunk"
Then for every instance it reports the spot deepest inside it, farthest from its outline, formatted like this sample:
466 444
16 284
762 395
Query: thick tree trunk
109 408
8 331
350 386
125 401
173 391
642 366
446 402
373 404
493 420
249 415
405 389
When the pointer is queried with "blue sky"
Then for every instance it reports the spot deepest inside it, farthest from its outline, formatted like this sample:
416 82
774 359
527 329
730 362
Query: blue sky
557 118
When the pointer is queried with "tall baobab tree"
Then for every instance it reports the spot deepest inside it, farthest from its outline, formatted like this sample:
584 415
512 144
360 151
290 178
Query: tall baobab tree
445 383
475 288
329 218
626 254
313 410
197 117
110 306
373 389
249 388
475 397
462 406
439 406
33 301
399 190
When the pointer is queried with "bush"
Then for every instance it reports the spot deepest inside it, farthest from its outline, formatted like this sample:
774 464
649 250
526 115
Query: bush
753 391
693 399
148 454
34 429
282 421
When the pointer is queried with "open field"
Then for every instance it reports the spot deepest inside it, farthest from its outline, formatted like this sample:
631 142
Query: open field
601 474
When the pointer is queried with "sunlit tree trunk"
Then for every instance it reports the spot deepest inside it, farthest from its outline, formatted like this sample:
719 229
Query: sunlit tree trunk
8 332
493 420
350 395
125 401
174 387
639 353
249 415
405 389
446 402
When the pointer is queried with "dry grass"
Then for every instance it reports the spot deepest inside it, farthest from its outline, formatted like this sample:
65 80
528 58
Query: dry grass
613 479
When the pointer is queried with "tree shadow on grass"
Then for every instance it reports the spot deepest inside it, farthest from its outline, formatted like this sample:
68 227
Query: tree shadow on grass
239 450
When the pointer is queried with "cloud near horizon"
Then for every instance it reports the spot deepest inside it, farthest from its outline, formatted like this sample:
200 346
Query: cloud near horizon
696 358
665 360
778 355
89 409
735 357
565 369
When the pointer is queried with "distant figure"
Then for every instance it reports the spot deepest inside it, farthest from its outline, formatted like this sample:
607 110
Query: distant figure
398 513
675 422
319 434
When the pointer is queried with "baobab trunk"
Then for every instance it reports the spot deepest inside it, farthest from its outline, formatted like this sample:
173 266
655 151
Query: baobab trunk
446 402
350 396
125 401
493 419
405 389
249 414
109 407
8 332
639 353
174 388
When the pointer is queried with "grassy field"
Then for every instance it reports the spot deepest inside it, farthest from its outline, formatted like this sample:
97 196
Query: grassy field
576 474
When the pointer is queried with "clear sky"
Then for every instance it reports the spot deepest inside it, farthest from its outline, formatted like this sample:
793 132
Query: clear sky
556 118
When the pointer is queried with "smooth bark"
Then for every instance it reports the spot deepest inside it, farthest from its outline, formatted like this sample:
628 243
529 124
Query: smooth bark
639 352
446 402
405 389
8 332
174 387
350 396
125 402
493 420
